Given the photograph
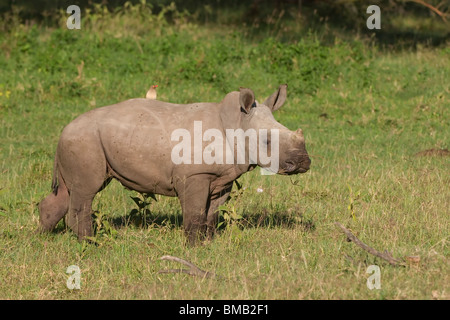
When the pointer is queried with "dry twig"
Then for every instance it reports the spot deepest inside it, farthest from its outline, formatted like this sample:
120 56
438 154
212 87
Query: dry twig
386 255
434 9
193 269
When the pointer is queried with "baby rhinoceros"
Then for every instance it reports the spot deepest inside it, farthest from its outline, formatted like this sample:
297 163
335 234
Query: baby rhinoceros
191 151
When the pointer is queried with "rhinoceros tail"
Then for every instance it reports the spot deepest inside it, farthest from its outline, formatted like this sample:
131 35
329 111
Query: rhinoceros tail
55 183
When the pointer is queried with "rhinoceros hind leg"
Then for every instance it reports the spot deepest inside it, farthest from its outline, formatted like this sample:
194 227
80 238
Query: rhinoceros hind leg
84 169
79 217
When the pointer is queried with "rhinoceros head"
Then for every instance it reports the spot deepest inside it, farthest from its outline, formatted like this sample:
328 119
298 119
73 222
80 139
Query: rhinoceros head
278 149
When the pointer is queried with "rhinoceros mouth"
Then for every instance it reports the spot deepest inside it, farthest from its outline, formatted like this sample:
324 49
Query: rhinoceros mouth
292 168
296 171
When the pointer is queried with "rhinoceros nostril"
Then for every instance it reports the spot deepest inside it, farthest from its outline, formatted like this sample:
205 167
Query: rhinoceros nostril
306 163
290 165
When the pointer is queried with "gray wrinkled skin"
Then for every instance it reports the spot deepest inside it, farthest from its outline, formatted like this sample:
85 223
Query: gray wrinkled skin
131 142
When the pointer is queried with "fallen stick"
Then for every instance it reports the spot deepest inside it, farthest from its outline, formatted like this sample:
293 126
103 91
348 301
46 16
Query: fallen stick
386 255
434 9
193 269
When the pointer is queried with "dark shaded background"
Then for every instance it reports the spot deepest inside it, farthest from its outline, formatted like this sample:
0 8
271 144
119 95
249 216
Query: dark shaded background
348 16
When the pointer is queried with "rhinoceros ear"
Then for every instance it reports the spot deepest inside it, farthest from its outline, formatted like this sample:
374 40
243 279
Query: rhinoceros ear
277 99
246 99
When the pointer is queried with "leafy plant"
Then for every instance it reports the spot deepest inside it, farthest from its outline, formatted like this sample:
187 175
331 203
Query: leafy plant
103 231
139 216
352 200
231 217
229 214
102 225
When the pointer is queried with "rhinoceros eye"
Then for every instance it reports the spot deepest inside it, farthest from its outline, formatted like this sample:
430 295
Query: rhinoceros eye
265 141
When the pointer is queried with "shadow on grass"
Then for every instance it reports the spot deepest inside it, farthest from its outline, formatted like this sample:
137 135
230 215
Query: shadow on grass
147 219
398 40
277 219
261 219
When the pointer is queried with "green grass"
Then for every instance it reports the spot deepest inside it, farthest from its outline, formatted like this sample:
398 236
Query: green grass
365 113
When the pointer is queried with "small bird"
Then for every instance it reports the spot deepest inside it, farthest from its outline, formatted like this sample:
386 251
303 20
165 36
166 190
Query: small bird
151 93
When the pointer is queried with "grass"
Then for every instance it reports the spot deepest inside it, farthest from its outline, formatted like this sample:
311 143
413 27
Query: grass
365 111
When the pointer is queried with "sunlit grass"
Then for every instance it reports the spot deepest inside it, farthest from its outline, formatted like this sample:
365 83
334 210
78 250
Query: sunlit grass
365 112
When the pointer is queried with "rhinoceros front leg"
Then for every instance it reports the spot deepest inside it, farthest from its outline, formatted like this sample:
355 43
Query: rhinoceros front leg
194 198
212 216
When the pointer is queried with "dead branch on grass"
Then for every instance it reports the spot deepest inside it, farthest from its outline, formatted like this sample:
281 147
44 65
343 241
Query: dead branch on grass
386 255
193 269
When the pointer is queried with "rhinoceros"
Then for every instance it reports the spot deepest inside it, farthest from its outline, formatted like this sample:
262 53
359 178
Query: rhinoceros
138 143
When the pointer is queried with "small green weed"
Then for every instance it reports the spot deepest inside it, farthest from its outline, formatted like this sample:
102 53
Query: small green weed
103 230
139 215
352 198
228 211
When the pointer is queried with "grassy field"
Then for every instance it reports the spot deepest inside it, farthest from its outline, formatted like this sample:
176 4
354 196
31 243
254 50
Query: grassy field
367 112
